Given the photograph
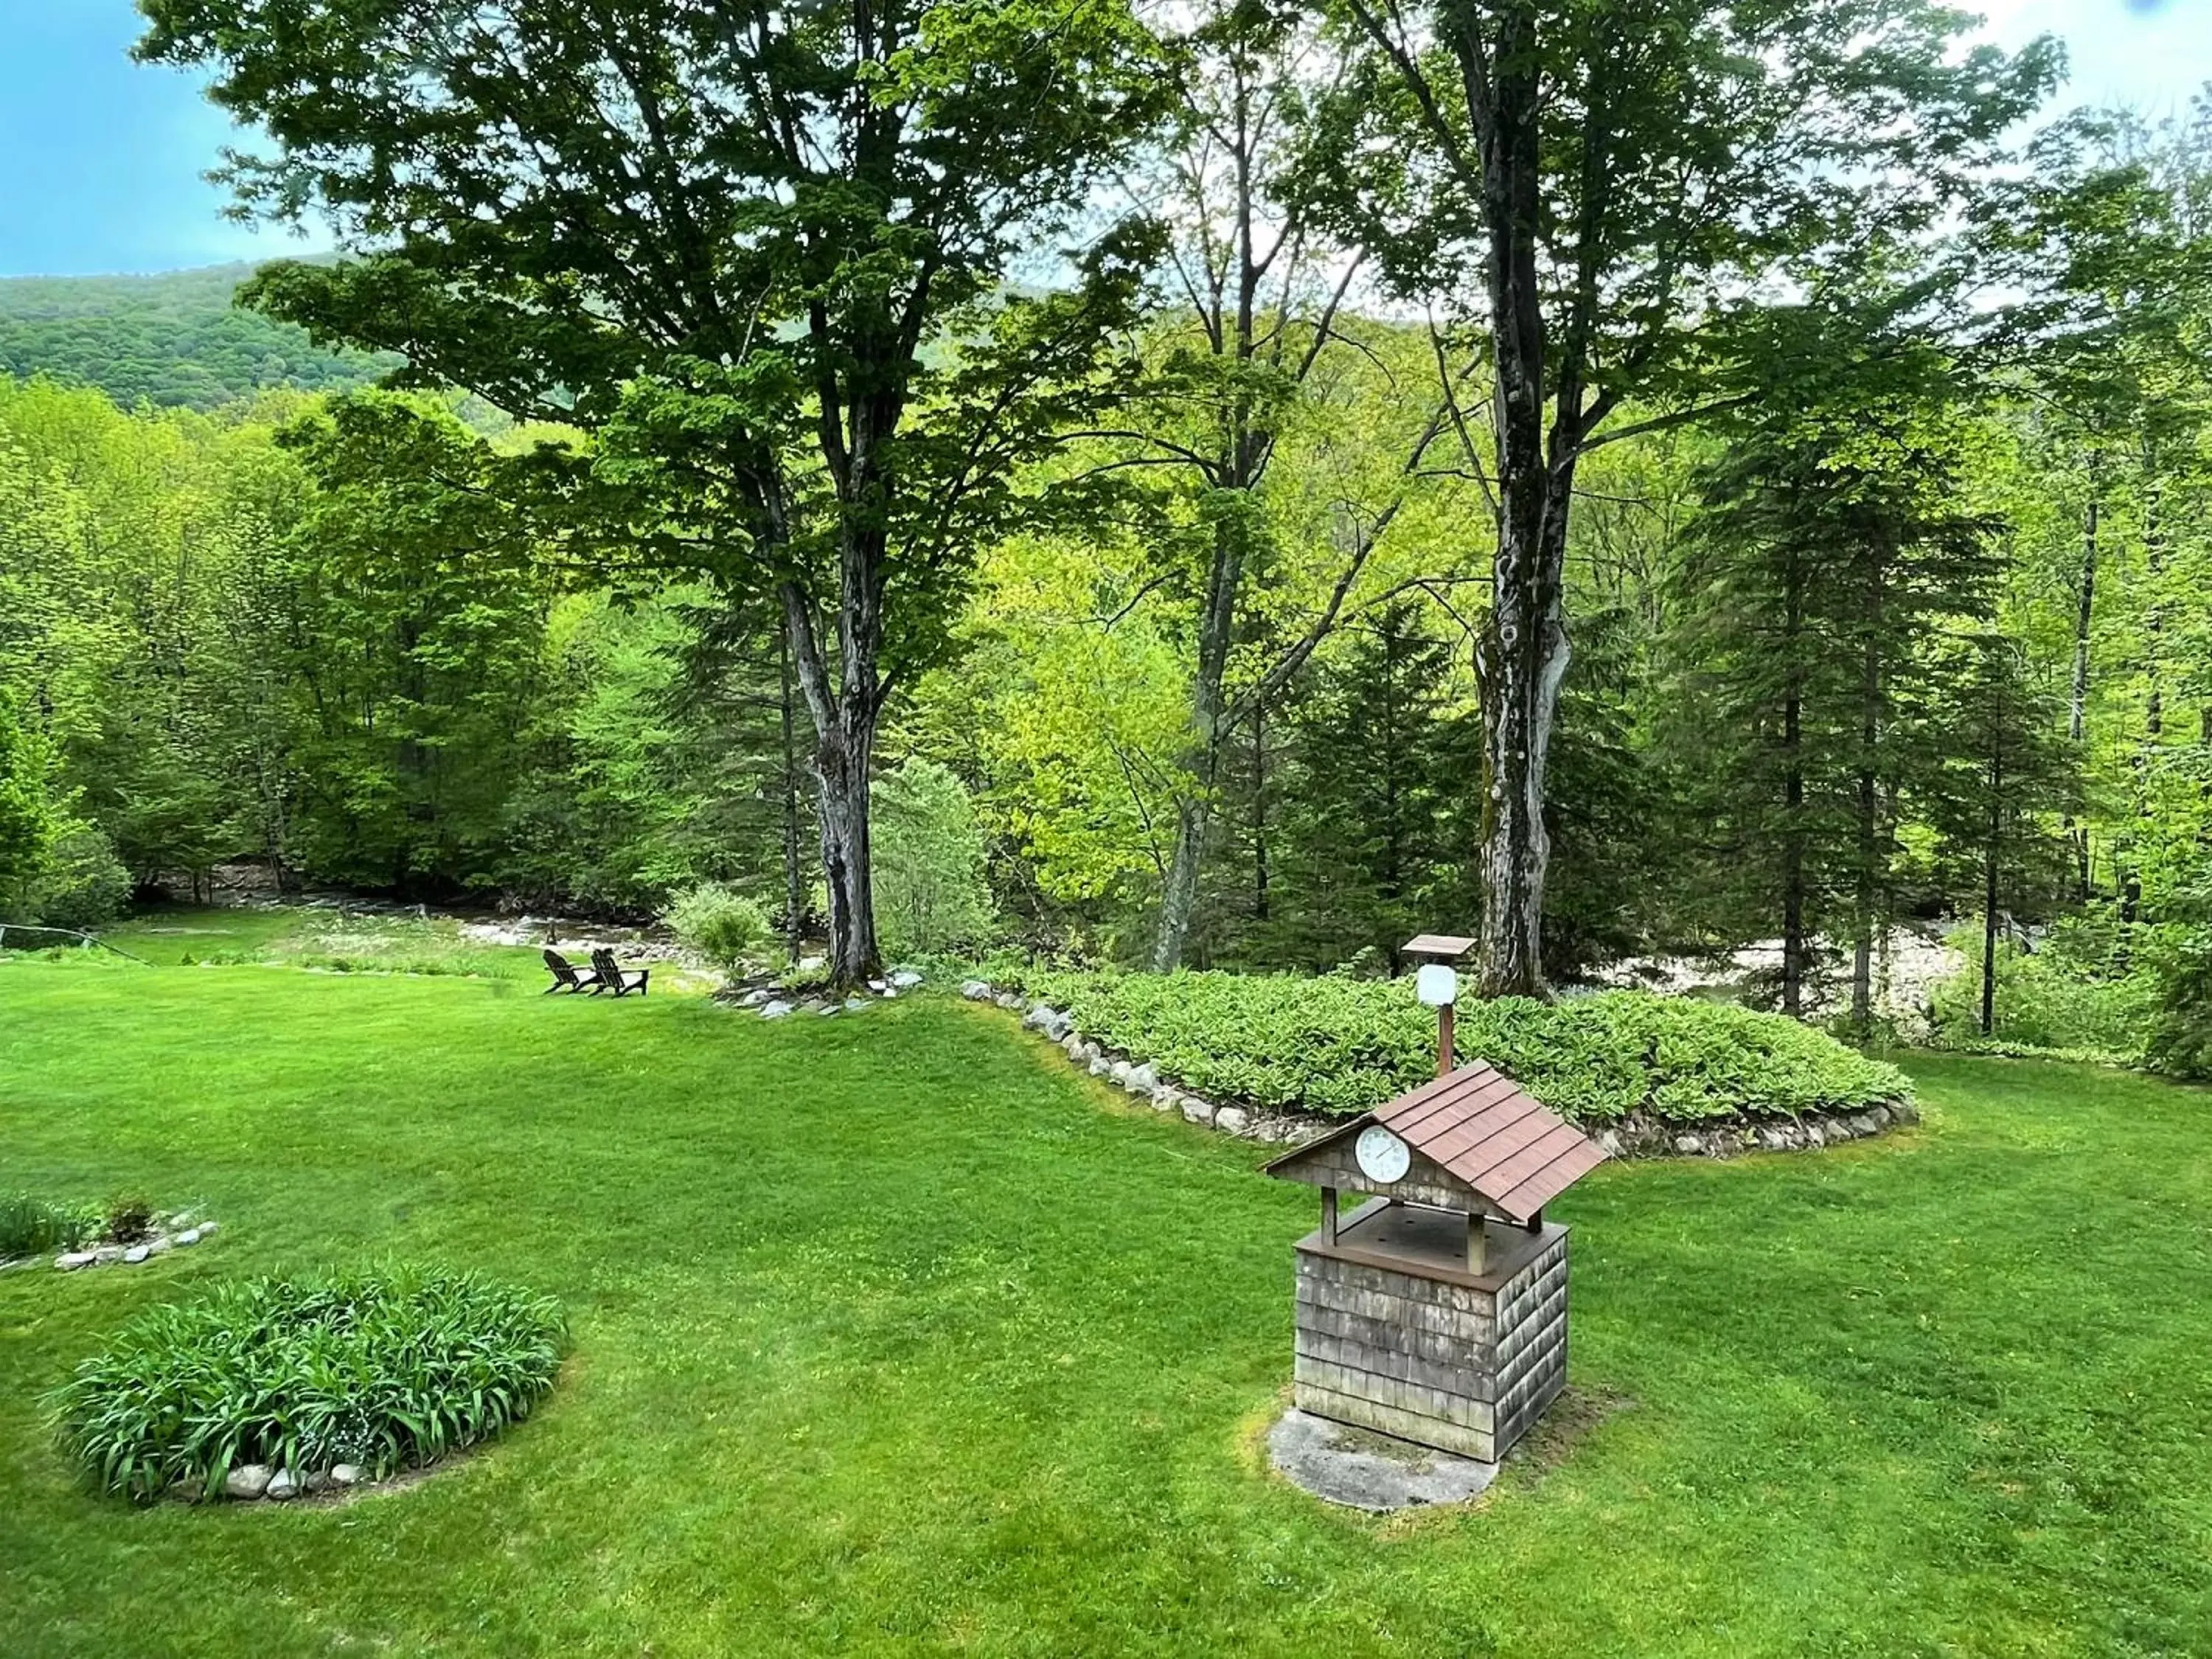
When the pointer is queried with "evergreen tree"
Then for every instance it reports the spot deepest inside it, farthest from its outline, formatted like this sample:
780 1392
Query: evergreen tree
1826 563
1381 757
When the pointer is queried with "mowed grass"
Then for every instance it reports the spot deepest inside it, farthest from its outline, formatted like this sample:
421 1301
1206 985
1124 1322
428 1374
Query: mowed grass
894 1336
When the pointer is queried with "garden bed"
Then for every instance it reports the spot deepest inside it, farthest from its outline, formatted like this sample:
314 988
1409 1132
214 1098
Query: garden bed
285 1388
1650 1070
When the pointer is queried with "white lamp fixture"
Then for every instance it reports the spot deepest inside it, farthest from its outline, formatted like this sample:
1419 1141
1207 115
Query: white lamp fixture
1437 985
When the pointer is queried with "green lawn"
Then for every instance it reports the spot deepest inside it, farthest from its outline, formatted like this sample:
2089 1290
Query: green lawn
893 1335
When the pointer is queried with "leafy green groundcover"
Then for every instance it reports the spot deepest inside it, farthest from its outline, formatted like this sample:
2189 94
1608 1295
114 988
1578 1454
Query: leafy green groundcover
384 1371
1338 1045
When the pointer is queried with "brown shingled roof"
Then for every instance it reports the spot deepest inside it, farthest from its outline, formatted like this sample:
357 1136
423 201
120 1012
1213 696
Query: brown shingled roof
1514 1153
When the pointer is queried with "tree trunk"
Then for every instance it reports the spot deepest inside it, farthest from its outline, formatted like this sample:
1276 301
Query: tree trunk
1990 860
1260 812
794 879
1870 801
1179 894
2078 701
1793 860
1194 809
844 747
1521 653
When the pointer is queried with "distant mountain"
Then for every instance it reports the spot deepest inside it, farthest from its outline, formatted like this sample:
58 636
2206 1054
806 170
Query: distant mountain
174 338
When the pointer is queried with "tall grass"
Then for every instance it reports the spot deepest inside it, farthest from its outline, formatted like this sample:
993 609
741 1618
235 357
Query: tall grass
384 1370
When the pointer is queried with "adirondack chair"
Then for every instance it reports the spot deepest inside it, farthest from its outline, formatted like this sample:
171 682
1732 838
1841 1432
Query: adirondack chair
567 976
613 976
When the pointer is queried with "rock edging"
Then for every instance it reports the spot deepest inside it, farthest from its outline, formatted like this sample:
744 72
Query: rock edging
1639 1134
179 1232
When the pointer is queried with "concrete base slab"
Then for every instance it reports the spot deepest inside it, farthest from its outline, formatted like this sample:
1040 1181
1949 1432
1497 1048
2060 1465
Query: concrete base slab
1367 1471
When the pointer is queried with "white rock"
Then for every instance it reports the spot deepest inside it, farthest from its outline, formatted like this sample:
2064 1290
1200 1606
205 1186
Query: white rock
891 996
976 990
1141 1080
830 1008
1609 1144
317 1481
190 1236
905 979
754 998
1120 1071
1197 1110
856 1002
1814 1137
1072 1045
282 1485
246 1480
206 1227
108 1252
1775 1141
159 1244
1232 1119
70 1261
1689 1144
808 964
136 1253
1007 999
1100 1065
344 1475
776 1009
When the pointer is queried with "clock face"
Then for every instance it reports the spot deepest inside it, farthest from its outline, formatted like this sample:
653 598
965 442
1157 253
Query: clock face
1382 1157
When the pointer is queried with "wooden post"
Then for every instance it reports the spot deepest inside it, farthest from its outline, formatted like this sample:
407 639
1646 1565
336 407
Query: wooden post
1444 1040
1478 1244
1535 1222
1328 1215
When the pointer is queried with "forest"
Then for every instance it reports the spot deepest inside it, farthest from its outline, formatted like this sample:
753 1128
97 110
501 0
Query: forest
1231 486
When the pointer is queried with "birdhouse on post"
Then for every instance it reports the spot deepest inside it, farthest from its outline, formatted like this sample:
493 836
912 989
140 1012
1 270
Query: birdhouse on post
1437 1311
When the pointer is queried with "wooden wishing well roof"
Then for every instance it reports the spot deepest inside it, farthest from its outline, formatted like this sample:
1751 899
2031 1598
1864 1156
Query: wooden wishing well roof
1479 1129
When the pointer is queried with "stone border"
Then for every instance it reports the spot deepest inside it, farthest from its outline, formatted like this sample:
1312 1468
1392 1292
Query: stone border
1639 1134
763 999
179 1232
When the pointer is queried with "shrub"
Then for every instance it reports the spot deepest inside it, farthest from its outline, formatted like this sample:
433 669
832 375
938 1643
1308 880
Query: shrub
81 884
2180 1042
130 1218
2062 995
32 1226
385 1371
1338 1045
928 861
721 924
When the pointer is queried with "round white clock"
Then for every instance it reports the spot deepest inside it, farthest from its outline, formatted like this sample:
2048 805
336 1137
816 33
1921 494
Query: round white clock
1382 1157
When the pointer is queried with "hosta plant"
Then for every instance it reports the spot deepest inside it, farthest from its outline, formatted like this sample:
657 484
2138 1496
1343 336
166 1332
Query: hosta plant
383 1370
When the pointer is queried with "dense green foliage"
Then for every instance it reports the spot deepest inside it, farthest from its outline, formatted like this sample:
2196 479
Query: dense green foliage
33 1226
931 894
173 339
725 928
385 1371
1341 1045
963 1349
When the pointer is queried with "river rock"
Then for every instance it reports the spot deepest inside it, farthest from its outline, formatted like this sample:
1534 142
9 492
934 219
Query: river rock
283 1486
246 1480
138 1253
1232 1119
1141 1080
345 1475
905 979
775 1009
976 990
1197 1110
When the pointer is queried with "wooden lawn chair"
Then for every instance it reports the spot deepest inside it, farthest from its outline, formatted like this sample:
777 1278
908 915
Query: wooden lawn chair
567 976
613 976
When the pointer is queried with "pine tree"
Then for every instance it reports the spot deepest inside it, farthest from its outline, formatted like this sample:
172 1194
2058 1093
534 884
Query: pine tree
1828 558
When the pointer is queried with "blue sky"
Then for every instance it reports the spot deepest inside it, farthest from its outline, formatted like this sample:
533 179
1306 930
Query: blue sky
101 160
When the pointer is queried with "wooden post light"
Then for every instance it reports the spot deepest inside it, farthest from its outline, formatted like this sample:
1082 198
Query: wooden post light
1437 983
